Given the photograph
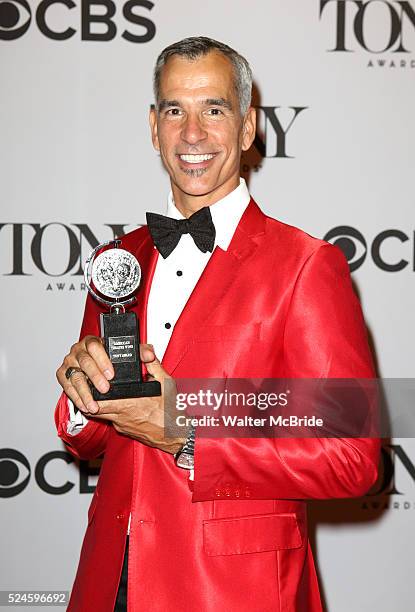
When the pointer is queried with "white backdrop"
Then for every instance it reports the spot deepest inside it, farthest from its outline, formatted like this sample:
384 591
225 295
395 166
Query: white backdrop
335 91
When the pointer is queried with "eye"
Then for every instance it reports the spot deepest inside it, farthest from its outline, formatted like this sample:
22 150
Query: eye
351 242
175 112
12 477
214 112
15 18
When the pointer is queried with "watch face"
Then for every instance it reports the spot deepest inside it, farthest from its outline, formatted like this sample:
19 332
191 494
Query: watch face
185 461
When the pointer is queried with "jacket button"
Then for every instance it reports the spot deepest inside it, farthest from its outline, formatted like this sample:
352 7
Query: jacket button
237 493
120 517
247 493
218 492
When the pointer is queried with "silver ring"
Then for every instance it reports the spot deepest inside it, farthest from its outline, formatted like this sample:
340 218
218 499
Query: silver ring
70 371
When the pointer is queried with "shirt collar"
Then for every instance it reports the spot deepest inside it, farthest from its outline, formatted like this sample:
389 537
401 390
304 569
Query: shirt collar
226 213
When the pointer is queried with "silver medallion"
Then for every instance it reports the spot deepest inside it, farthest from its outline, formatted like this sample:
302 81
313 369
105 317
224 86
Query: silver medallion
116 273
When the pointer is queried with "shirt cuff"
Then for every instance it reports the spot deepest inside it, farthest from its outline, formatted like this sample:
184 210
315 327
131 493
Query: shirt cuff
77 420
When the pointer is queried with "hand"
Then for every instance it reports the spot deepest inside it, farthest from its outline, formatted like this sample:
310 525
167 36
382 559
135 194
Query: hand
90 356
145 418
139 418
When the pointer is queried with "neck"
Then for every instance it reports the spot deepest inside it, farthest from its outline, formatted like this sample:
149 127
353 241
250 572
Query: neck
188 204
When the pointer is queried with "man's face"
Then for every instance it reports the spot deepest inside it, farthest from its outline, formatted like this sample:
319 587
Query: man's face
199 130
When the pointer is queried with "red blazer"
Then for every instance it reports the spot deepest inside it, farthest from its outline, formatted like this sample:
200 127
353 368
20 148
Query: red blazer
277 303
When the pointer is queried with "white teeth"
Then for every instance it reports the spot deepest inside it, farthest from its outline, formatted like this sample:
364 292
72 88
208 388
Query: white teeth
196 159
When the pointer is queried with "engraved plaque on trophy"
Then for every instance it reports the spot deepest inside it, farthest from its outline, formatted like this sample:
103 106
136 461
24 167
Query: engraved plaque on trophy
112 277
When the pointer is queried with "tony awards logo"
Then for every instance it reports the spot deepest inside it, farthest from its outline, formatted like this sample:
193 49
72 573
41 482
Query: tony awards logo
112 277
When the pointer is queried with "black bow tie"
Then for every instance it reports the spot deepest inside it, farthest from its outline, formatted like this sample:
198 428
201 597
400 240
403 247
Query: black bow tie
166 232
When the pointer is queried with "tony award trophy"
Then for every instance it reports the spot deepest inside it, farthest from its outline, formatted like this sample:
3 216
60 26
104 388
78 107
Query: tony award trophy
112 277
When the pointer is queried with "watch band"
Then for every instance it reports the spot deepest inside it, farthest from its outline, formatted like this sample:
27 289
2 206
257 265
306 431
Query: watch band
185 458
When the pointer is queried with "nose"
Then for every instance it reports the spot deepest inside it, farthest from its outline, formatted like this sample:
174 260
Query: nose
193 131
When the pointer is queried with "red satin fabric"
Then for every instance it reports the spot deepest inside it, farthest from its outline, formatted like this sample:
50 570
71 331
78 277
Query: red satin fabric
278 303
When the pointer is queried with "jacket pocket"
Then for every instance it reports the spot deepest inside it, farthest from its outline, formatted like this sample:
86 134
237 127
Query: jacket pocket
250 534
230 332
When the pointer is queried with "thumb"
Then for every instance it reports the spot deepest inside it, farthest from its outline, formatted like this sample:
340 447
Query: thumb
156 370
147 353
153 365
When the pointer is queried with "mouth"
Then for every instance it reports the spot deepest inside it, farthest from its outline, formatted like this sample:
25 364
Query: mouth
196 160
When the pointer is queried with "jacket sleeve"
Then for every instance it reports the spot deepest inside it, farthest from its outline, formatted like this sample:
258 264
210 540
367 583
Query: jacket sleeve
91 441
325 337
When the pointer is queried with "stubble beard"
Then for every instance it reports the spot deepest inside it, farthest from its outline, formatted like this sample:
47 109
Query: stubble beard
194 172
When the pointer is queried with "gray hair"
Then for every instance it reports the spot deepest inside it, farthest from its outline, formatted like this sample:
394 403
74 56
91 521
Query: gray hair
196 46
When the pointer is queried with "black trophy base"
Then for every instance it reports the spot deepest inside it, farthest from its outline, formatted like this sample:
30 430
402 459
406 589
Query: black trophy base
122 390
122 343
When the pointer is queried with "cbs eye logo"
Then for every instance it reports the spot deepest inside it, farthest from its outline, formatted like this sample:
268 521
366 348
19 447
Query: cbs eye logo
15 18
15 473
385 248
351 242
12 477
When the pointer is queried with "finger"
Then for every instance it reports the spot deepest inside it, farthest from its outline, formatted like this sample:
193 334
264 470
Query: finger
147 353
105 417
71 392
78 402
80 385
156 370
60 374
140 406
90 368
109 408
97 351
79 357
114 407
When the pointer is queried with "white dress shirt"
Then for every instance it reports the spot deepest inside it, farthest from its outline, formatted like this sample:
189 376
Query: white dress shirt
176 276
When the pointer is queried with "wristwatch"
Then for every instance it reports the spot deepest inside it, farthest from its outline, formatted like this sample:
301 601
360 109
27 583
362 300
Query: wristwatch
185 457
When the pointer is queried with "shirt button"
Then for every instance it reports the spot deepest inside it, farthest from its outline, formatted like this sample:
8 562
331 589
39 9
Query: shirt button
179 273
167 325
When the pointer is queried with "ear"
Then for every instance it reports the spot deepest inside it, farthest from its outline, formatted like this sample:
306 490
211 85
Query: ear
248 129
153 128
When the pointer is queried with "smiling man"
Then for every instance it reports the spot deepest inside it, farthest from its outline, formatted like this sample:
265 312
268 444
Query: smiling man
201 128
195 523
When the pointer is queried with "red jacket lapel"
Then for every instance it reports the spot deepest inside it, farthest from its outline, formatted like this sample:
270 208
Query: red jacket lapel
147 256
216 279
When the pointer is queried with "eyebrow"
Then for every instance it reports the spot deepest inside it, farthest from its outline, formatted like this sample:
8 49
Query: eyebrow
163 104
167 104
218 102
